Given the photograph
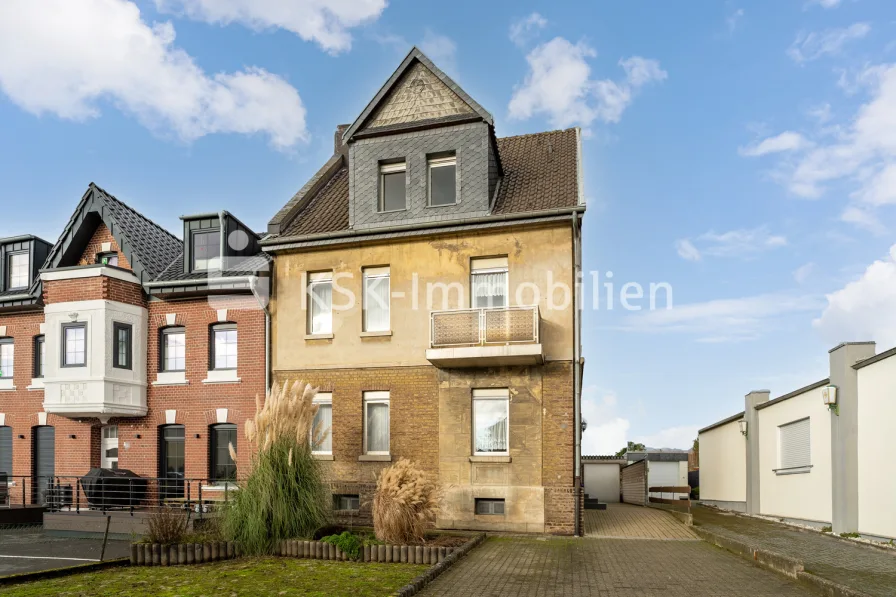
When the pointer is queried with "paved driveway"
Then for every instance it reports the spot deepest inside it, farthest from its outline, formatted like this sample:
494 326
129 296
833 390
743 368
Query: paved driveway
626 521
524 567
32 550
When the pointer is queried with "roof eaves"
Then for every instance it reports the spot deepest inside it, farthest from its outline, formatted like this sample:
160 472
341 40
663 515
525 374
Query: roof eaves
795 393
876 358
730 419
300 200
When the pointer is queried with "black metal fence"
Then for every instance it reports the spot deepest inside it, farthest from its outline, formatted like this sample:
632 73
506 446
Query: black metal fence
75 494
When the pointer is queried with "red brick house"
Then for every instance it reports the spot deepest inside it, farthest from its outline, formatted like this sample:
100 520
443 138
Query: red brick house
123 346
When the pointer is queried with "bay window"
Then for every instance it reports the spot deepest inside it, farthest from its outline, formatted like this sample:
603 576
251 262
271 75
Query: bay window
74 344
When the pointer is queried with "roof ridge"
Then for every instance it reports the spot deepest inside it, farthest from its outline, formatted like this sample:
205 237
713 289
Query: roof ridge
128 207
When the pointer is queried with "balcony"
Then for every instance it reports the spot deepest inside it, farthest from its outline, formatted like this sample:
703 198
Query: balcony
485 337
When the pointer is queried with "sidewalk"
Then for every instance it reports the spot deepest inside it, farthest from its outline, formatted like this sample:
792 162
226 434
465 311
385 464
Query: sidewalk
859 567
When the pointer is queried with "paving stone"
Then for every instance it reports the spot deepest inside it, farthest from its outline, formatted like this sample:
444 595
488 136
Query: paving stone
864 568
634 522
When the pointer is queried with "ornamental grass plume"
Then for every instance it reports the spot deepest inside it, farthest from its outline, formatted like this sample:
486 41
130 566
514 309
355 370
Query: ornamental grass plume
284 496
406 502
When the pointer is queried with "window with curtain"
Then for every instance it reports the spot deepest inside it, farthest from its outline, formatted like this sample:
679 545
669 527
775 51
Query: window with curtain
174 349
122 345
7 357
224 346
320 303
322 428
40 355
222 467
488 283
17 271
376 422
491 429
794 445
74 344
376 300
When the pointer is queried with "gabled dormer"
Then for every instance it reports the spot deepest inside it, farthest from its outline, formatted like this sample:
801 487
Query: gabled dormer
422 150
20 260
216 241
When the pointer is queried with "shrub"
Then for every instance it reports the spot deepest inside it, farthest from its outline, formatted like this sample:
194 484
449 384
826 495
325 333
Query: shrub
283 496
405 503
348 543
827 529
166 525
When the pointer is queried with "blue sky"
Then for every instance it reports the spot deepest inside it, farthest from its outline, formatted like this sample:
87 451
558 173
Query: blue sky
744 153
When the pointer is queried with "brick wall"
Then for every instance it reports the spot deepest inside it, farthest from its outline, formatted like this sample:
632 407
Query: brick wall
95 245
87 289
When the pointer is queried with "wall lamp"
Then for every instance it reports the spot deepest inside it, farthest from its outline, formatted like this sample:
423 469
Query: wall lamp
743 427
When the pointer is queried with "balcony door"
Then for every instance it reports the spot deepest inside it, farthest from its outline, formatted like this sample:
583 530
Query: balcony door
171 462
109 447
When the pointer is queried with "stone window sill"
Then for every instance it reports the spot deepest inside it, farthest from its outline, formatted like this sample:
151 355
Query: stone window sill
322 456
318 336
798 470
499 459
6 385
376 334
221 376
375 458
171 378
37 383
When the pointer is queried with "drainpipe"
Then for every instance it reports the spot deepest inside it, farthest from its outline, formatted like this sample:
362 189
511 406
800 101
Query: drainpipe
267 332
577 370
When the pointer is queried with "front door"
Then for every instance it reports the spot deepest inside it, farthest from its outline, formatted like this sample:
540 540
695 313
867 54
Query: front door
109 447
43 459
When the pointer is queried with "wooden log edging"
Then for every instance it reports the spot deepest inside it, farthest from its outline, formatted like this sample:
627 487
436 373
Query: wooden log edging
417 584
155 554
404 554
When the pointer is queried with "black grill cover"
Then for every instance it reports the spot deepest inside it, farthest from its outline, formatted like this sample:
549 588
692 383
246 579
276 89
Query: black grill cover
108 488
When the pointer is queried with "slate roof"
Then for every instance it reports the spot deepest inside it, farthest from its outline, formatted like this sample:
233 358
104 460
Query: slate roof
244 266
155 246
540 173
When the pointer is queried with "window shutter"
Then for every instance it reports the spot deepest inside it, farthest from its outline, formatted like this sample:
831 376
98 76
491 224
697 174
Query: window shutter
6 450
795 445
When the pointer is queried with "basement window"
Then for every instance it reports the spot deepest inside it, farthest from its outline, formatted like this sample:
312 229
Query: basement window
346 502
489 507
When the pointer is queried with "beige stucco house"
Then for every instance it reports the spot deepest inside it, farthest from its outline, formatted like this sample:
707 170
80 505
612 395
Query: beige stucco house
425 281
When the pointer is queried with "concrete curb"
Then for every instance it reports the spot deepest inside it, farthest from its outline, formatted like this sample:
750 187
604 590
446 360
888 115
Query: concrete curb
780 563
417 584
61 572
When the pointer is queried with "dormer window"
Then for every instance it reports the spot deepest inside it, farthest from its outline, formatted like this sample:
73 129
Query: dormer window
17 265
392 187
442 180
206 250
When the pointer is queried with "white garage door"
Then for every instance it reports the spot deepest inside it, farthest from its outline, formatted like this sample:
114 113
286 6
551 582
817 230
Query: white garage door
602 482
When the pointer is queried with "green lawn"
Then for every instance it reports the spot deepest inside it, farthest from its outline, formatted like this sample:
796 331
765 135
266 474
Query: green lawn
249 576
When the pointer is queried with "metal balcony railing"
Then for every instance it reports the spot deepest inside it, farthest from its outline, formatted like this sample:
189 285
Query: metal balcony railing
484 327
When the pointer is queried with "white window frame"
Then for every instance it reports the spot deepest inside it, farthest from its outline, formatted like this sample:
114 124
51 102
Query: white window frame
802 468
8 344
107 443
440 163
490 265
315 279
377 398
393 168
11 270
491 394
376 273
322 398
163 347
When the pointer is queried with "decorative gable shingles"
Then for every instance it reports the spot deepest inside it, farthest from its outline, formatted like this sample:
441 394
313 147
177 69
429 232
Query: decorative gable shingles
420 95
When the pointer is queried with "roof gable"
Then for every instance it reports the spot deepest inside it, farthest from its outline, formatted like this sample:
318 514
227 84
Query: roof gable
148 247
417 91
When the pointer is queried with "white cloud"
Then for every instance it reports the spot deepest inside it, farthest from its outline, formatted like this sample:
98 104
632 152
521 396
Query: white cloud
864 309
607 432
783 142
70 57
523 30
802 273
821 114
441 50
734 18
723 320
559 85
686 250
879 188
325 22
680 438
744 242
824 3
863 218
830 42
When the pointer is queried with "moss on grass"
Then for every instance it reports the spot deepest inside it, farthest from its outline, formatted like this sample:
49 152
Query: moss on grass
251 576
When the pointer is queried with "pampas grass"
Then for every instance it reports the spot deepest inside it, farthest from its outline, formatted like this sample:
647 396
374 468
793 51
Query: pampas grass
405 504
284 496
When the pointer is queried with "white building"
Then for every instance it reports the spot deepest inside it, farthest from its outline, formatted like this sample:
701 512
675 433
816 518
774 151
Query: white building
816 455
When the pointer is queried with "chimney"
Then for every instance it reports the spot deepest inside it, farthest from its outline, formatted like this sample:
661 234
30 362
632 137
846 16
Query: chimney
338 145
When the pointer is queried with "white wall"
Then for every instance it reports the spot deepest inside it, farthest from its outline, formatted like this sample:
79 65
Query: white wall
806 496
667 474
602 481
877 431
723 464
